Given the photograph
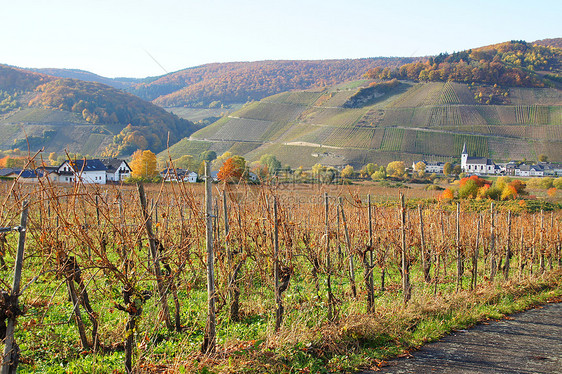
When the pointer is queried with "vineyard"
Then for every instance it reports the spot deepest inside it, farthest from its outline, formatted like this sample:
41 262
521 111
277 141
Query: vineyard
119 278
418 120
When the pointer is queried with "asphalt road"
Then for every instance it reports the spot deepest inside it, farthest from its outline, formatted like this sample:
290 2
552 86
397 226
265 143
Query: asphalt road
527 342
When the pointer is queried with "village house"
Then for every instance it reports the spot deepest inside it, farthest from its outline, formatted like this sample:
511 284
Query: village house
529 171
431 167
86 171
178 175
117 170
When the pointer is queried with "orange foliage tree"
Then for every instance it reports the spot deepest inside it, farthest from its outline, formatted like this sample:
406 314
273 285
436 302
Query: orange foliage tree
233 169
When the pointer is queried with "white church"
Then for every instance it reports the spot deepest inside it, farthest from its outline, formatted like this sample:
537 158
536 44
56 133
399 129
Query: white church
477 165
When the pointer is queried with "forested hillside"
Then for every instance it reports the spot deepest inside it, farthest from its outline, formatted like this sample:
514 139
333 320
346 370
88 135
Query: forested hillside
31 99
239 82
515 63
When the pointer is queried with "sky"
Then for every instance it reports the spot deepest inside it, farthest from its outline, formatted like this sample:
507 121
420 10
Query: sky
140 38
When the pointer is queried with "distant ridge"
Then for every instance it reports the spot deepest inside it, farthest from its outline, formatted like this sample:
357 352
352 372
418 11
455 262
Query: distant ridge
120 83
238 82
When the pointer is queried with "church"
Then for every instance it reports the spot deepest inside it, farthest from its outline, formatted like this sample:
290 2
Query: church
476 165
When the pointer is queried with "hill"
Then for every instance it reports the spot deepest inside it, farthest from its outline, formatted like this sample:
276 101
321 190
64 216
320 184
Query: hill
120 83
376 121
103 119
554 42
515 63
239 82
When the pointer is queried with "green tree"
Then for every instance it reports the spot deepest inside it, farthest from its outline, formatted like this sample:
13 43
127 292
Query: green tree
271 162
543 158
208 155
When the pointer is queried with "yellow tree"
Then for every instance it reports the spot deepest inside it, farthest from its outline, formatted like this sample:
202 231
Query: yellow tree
143 164
396 169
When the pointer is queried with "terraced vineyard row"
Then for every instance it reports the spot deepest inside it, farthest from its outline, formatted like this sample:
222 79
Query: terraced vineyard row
392 140
243 129
304 98
478 145
448 95
334 116
354 137
274 112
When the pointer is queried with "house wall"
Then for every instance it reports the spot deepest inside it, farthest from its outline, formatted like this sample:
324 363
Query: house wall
98 177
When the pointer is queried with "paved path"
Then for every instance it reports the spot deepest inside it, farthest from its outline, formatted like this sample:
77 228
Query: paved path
527 342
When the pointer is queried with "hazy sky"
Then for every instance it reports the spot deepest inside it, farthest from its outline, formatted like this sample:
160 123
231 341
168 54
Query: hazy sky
133 38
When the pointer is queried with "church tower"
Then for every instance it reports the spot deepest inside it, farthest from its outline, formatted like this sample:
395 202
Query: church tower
464 157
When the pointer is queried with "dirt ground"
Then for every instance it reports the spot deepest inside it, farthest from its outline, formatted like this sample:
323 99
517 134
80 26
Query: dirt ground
527 342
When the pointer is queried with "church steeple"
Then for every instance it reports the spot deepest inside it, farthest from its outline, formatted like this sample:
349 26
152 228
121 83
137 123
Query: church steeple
464 158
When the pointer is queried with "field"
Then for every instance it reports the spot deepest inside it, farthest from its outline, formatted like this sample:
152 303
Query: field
303 277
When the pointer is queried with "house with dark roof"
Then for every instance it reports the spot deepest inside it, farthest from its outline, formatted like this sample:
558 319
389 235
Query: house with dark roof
86 171
476 165
117 170
30 175
529 171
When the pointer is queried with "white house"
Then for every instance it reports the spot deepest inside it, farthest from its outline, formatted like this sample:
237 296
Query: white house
431 167
529 171
86 171
476 165
191 177
117 170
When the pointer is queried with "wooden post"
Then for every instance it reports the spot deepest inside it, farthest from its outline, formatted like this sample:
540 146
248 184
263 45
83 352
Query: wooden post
492 243
331 305
10 358
507 247
369 266
425 257
349 250
406 287
475 253
459 252
209 340
276 270
163 298
541 243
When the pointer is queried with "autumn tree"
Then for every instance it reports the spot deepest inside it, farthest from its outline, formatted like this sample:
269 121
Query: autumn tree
232 170
53 159
143 164
447 169
368 170
396 169
420 169
347 172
